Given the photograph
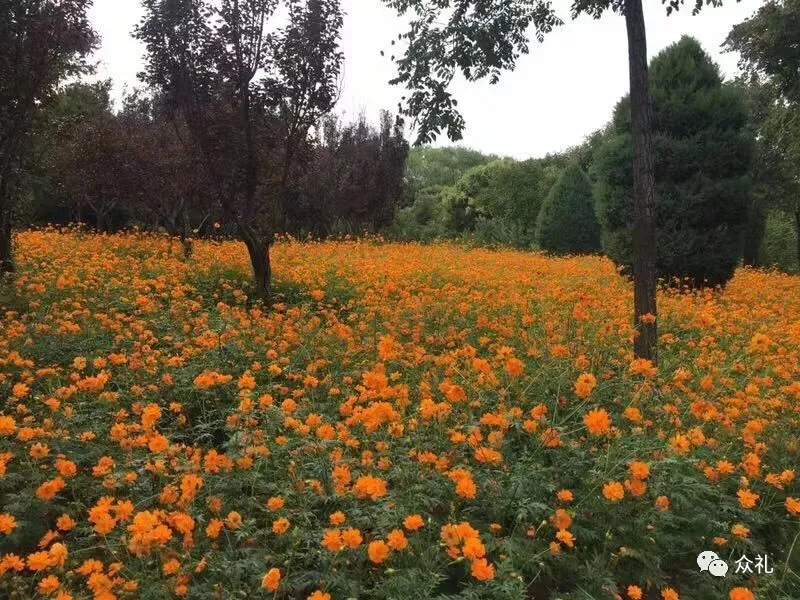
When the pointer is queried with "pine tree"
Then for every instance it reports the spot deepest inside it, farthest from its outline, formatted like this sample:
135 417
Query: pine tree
567 223
702 152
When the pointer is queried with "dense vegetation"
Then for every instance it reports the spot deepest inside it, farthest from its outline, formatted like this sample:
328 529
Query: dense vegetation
407 421
567 223
702 151
387 419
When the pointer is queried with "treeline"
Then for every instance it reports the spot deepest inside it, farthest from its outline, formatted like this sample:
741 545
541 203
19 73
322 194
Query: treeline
727 181
247 139
114 169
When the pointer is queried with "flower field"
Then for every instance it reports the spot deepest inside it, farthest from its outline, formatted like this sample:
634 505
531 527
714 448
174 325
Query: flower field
406 422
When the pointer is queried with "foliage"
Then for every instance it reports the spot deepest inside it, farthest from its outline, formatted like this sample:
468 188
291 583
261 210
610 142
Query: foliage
423 220
779 242
356 176
164 436
42 42
567 223
702 151
493 203
769 47
248 93
439 166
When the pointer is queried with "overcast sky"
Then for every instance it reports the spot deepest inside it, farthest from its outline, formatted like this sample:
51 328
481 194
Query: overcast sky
561 92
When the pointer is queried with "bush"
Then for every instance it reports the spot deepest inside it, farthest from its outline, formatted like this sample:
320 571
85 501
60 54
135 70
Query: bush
702 152
424 219
567 223
779 244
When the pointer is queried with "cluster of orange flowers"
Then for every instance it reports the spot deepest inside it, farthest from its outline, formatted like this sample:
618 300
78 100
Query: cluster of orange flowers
400 416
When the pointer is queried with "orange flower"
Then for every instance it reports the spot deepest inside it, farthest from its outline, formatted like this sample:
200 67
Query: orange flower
332 540
271 580
613 491
275 503
369 487
7 425
378 551
352 538
65 523
397 540
564 496
319 595
741 593
337 518
48 585
482 570
7 523
634 592
597 421
171 567
414 522
514 367
280 526
214 528
565 537
793 506
669 594
639 470
49 489
662 502
585 384
561 519
234 520
747 499
740 530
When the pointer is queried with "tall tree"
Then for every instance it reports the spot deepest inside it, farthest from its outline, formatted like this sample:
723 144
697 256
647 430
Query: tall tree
41 43
702 150
567 223
769 45
482 38
248 93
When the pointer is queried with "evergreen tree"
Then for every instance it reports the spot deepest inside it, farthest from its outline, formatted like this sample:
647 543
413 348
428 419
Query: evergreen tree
702 152
567 223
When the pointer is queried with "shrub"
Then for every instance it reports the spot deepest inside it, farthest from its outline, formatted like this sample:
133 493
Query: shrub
567 223
779 244
423 219
702 152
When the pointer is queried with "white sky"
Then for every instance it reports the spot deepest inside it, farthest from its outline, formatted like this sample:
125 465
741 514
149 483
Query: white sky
562 91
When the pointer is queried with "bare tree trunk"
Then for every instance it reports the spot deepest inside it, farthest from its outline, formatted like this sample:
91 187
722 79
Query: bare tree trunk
186 234
6 241
644 188
797 231
260 260
6 247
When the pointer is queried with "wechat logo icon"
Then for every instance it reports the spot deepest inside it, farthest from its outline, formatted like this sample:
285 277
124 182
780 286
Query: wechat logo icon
711 562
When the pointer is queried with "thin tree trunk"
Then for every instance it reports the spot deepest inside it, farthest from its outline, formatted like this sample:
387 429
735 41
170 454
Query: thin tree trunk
186 234
6 248
6 241
260 261
797 231
644 188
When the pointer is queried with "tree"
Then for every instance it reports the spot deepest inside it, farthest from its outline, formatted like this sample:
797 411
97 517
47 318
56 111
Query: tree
769 45
248 94
500 201
482 38
41 43
440 166
355 179
567 223
702 151
173 190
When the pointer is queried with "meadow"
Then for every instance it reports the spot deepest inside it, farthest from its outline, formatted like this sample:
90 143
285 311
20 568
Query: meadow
405 421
